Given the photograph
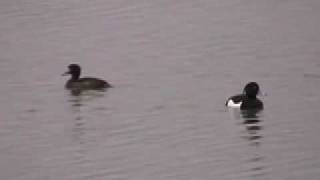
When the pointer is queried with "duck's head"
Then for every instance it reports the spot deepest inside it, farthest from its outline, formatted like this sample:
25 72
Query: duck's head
74 71
251 89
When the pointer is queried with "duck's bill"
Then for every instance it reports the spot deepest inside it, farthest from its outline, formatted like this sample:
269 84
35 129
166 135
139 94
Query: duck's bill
66 73
261 93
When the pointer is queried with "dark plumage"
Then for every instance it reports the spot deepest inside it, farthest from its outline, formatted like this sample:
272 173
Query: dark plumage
86 83
248 99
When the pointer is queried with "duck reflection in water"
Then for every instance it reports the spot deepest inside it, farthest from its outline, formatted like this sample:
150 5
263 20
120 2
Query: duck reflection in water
251 120
80 104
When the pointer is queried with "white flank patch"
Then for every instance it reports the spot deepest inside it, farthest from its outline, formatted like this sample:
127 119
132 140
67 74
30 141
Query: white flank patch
233 105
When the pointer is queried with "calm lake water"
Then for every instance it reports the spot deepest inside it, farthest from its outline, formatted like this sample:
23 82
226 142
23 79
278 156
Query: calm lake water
173 64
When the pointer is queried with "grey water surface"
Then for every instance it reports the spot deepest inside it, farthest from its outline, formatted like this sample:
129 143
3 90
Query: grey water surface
173 64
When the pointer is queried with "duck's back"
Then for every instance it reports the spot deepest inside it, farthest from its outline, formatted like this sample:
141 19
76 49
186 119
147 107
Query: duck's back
248 103
87 83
